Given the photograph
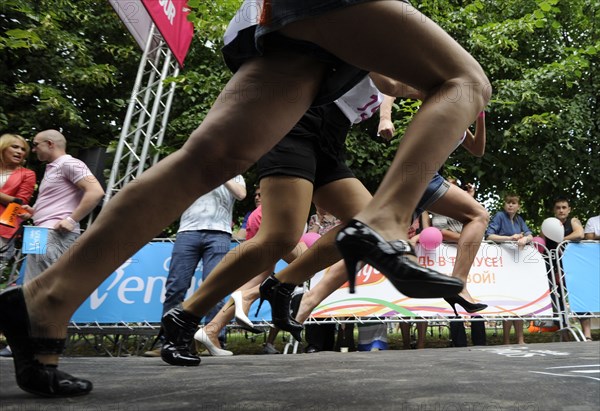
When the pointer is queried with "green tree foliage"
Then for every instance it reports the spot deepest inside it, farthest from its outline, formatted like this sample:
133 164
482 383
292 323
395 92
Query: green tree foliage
205 74
65 64
543 123
72 64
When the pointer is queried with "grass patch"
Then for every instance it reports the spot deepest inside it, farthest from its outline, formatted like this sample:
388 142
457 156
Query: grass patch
243 342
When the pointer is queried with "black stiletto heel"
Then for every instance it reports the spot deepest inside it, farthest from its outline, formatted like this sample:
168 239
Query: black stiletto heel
467 305
179 328
453 305
33 376
357 243
265 290
280 297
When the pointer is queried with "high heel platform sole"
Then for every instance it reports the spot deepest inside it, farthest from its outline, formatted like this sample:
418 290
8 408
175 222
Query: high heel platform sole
32 376
358 243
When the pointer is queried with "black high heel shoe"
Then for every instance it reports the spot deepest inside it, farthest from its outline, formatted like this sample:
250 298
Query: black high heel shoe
280 296
467 305
265 290
358 242
179 328
33 376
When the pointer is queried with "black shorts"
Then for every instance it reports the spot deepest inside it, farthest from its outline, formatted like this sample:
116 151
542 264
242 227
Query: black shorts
314 150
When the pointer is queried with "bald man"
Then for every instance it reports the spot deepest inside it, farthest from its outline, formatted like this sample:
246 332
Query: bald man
68 192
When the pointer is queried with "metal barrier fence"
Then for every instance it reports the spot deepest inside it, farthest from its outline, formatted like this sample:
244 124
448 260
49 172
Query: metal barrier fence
115 338
578 288
562 319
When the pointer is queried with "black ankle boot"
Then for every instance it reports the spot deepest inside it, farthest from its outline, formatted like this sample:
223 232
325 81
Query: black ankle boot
179 328
33 376
281 310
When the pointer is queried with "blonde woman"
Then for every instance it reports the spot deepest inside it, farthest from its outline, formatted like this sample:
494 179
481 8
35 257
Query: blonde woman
16 182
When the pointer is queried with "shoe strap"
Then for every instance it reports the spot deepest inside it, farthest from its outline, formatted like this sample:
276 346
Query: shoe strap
402 246
46 346
289 288
180 314
267 286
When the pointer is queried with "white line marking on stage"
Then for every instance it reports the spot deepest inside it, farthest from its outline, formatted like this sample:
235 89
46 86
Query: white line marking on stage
565 375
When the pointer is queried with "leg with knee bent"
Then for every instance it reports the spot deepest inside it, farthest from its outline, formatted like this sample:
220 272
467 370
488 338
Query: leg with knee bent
209 158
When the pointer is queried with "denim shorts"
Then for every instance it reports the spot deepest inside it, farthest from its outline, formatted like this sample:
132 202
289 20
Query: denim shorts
435 190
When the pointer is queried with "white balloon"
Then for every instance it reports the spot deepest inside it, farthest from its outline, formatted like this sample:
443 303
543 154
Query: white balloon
553 229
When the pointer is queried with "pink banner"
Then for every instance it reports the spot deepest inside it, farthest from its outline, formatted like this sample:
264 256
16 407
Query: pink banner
170 17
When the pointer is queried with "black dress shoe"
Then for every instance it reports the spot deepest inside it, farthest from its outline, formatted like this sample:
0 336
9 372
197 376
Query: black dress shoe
358 243
179 328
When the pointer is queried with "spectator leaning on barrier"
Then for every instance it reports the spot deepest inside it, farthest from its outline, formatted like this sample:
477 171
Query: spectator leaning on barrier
508 225
573 231
572 226
592 228
68 192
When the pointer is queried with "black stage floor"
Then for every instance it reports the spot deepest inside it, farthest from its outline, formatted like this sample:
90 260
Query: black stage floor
548 376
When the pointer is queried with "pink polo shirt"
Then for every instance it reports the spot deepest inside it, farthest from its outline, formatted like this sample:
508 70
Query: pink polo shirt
58 195
253 223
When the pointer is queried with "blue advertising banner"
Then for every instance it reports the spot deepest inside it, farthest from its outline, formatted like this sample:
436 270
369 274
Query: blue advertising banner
581 264
135 292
